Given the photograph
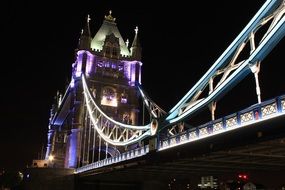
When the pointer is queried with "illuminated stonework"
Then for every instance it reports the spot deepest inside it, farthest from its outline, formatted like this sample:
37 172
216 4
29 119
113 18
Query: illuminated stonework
109 26
109 97
112 70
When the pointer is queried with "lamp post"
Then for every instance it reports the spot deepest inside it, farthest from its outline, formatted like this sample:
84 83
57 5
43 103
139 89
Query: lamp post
50 159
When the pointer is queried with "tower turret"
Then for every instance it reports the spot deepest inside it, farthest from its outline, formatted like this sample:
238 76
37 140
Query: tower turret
136 50
108 39
85 37
111 73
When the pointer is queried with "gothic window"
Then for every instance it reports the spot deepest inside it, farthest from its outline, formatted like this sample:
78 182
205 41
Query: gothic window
120 67
108 50
100 64
111 47
115 53
124 98
107 64
109 97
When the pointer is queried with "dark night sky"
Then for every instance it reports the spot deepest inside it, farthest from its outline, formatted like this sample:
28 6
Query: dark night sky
180 41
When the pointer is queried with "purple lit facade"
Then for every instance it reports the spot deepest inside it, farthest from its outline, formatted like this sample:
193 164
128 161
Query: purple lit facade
112 71
95 65
72 149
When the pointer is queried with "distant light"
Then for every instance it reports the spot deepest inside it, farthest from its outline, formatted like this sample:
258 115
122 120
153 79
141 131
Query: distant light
243 176
50 158
21 175
72 83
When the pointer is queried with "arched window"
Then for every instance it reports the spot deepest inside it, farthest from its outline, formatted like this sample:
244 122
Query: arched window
124 98
109 97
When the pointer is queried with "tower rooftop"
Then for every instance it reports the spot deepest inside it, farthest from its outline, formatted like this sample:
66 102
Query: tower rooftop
108 27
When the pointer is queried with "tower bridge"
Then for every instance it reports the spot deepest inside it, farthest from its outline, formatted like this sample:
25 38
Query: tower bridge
106 122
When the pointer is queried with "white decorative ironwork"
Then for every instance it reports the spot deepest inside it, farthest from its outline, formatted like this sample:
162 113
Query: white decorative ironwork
172 141
228 69
246 117
154 110
223 75
176 129
217 127
113 132
231 122
203 131
164 143
183 138
119 158
269 110
193 135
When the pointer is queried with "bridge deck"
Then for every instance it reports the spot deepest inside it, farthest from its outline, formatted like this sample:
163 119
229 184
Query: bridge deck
261 150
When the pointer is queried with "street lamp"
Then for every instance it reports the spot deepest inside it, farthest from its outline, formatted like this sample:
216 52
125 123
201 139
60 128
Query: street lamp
50 158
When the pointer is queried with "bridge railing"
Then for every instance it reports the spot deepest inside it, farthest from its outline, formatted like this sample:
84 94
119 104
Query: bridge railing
256 113
119 158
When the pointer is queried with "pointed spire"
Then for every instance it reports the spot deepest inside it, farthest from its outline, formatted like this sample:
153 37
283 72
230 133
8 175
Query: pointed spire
136 30
136 42
136 47
85 38
86 31
110 17
127 43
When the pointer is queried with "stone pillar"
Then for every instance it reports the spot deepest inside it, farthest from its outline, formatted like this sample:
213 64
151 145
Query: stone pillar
74 140
49 143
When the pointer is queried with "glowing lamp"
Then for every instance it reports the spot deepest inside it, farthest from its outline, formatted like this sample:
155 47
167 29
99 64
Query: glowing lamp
243 177
50 158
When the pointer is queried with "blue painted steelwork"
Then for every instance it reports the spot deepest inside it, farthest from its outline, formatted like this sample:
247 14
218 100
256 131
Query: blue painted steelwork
269 109
72 157
257 113
265 10
191 103
265 46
